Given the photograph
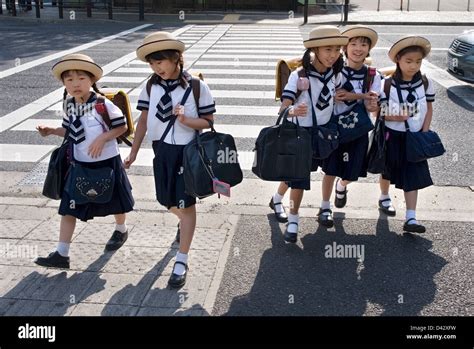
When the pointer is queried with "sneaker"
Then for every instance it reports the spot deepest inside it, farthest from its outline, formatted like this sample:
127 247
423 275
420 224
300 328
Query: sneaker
116 241
325 219
54 260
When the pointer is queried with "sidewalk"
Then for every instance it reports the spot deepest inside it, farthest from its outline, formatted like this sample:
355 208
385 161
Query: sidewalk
385 17
132 281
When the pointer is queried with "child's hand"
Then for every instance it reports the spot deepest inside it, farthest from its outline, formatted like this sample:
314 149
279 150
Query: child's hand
341 95
299 110
129 160
45 130
95 149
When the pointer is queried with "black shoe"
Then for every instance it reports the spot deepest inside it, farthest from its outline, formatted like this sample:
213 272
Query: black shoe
388 210
178 234
175 280
116 241
325 219
413 228
290 237
280 217
54 260
340 203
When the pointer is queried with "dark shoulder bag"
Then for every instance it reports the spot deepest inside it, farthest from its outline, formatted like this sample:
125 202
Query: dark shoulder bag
420 145
210 160
325 139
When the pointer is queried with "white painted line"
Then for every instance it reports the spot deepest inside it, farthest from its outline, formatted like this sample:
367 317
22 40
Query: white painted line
246 110
256 46
258 82
60 54
23 113
388 48
283 43
240 131
145 157
243 94
234 64
258 52
30 124
24 152
441 76
123 79
134 70
270 72
243 56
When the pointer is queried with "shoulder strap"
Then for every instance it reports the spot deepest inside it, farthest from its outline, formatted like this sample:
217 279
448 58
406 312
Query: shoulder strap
386 87
425 82
196 86
368 81
104 113
301 74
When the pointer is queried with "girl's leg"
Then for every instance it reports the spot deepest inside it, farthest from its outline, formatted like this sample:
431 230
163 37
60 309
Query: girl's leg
385 203
411 224
120 234
276 203
340 199
325 212
296 196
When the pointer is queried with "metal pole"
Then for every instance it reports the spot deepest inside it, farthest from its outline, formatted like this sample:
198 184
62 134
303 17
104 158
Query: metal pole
109 2
141 10
408 5
60 8
378 6
89 8
438 4
37 7
305 12
13 8
1 7
469 5
346 10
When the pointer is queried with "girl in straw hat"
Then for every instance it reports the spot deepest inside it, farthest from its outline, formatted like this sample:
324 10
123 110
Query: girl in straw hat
348 162
93 145
409 99
322 62
164 53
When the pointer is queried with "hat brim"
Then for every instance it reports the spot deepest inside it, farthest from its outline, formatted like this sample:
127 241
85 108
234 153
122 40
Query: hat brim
326 41
77 64
365 32
159 45
407 42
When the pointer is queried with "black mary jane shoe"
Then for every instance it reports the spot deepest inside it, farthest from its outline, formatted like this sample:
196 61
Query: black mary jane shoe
325 219
280 217
388 210
340 203
175 280
413 228
290 237
116 240
54 260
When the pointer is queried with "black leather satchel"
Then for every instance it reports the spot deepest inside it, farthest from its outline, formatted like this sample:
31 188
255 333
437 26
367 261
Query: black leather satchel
283 151
210 157
376 153
90 185
57 170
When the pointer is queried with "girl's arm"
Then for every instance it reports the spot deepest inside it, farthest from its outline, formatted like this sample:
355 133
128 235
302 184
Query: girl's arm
428 117
95 149
140 132
300 110
46 131
196 123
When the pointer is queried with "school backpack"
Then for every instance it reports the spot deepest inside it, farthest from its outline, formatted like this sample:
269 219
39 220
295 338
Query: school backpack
388 83
120 99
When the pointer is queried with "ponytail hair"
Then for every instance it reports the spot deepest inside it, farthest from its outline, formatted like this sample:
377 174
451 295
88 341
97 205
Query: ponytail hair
94 87
307 59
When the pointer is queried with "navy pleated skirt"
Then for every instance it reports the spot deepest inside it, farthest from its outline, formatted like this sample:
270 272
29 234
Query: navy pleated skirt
405 175
169 179
349 160
122 200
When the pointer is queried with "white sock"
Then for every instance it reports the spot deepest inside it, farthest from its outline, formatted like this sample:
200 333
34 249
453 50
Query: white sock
325 205
293 228
385 203
340 187
121 227
278 198
411 214
63 248
179 269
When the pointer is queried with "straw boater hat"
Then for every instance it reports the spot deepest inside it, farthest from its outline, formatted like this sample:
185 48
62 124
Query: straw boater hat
361 30
158 41
325 35
407 42
77 61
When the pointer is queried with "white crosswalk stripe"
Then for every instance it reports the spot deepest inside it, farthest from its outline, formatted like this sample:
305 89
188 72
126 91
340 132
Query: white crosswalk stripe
223 54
